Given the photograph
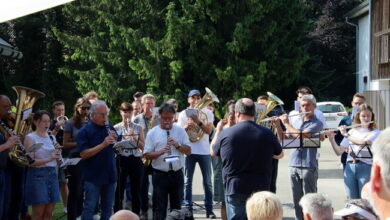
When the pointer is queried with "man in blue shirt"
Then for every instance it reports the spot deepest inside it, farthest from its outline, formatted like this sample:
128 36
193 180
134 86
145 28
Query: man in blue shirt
95 141
303 161
246 150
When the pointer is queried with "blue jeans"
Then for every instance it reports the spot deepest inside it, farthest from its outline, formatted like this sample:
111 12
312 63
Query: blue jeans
235 206
303 181
205 167
355 176
106 192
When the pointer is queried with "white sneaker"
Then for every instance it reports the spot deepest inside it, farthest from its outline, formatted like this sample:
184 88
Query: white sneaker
65 210
96 217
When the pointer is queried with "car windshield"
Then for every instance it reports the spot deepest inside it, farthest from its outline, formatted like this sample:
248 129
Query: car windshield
330 108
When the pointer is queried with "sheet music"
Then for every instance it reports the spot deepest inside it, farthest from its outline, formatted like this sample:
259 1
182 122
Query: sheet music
70 161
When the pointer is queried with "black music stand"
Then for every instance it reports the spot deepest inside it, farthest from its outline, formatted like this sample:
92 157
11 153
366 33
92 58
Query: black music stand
361 154
301 142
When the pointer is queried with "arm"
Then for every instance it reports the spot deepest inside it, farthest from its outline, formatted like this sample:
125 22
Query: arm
155 154
90 152
68 142
218 131
184 149
280 156
353 139
28 142
338 150
11 141
141 140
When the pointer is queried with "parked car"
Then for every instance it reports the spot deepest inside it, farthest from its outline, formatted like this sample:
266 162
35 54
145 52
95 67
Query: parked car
333 112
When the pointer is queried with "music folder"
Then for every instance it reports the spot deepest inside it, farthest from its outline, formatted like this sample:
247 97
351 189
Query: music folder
301 142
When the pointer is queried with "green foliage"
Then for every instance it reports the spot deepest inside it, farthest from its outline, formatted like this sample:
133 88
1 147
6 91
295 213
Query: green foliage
236 48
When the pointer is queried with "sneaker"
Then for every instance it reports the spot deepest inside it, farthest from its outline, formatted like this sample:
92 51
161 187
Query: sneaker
188 214
211 215
143 216
65 210
96 217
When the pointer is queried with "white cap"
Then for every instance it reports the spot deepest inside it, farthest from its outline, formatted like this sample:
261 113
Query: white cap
354 209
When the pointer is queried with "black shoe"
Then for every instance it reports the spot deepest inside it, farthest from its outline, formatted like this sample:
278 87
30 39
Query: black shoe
211 215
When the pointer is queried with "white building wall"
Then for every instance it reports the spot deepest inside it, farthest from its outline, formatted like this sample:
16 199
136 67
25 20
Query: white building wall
363 67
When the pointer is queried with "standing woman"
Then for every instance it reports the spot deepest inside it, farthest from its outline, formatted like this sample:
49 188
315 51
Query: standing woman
75 184
356 143
42 186
219 193
129 163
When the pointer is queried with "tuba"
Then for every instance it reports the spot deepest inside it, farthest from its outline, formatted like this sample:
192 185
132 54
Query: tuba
26 99
273 102
196 133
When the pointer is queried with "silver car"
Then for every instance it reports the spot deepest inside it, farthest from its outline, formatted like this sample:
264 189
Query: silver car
333 112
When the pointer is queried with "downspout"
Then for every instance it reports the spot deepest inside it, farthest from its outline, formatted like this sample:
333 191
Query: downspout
357 51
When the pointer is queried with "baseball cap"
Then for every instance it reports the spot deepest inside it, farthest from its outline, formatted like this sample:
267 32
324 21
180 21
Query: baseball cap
193 92
354 209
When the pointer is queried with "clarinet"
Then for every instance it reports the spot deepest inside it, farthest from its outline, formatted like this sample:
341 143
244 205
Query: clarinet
59 160
21 146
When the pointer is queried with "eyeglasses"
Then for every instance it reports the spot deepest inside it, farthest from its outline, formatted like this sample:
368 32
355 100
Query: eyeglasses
85 108
167 118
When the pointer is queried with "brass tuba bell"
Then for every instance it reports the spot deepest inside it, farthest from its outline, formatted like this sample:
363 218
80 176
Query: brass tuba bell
273 101
26 99
196 133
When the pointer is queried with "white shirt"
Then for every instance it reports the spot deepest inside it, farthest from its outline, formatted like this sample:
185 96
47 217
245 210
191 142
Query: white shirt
130 133
45 151
317 112
157 139
366 135
201 147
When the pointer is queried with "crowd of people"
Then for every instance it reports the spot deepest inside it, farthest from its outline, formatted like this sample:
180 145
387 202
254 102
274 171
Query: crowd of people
98 168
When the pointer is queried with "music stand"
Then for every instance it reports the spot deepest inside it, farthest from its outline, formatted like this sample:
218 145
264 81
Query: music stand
301 142
361 154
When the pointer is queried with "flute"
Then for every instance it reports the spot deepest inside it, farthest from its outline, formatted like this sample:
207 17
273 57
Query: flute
276 117
351 126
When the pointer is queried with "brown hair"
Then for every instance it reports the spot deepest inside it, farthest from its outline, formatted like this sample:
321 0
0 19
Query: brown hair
38 116
56 103
76 115
126 106
365 107
304 90
359 95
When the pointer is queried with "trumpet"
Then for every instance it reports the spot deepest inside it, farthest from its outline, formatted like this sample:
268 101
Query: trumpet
276 117
348 127
61 120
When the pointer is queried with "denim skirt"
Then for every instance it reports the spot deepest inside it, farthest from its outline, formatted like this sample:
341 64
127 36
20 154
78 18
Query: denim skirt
42 186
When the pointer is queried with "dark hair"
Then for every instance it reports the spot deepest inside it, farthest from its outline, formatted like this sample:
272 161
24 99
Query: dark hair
38 116
76 115
262 97
246 108
364 107
166 108
304 90
126 106
138 94
57 103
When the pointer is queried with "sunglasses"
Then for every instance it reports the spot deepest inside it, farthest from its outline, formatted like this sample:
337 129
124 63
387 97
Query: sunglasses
85 108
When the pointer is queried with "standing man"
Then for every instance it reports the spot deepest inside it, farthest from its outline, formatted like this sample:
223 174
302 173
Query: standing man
304 90
246 150
200 153
6 142
166 145
380 175
57 129
95 141
357 100
147 121
303 161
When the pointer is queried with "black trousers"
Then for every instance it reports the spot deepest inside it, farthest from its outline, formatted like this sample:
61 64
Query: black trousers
76 192
167 185
131 167
145 188
274 176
